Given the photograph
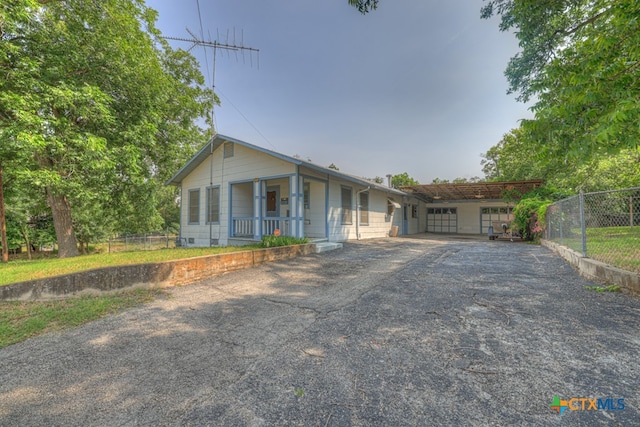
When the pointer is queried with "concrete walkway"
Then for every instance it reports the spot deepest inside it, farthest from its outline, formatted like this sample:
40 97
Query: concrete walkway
385 332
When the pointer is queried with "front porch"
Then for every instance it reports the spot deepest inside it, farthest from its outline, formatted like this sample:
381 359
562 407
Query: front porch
260 207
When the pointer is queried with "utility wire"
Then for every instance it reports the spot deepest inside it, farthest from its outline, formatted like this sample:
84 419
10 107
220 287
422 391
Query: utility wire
248 121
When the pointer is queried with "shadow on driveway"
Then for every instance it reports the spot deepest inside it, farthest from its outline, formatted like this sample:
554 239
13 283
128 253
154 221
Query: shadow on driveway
383 332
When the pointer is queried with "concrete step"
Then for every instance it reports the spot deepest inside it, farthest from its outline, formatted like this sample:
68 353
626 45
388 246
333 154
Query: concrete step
327 246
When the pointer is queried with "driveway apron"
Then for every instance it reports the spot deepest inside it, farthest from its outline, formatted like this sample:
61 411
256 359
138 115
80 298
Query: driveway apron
447 331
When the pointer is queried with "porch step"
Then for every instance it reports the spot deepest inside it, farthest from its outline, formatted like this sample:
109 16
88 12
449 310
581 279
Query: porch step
327 246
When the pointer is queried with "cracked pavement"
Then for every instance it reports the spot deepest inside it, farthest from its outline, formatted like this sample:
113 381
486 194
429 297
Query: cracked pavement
435 331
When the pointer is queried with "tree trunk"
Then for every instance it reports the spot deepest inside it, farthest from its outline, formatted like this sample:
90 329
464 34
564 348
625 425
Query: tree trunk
3 223
25 235
65 235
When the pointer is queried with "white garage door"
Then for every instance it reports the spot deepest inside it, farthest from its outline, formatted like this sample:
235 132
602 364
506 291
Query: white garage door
490 214
442 220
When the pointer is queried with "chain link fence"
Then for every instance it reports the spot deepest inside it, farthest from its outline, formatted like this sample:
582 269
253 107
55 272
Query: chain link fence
604 226
142 242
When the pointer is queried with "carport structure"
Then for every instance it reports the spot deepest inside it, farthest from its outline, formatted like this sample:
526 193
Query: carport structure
470 207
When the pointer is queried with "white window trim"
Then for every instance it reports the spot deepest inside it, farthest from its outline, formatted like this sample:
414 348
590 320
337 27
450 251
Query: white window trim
365 210
208 210
342 208
191 192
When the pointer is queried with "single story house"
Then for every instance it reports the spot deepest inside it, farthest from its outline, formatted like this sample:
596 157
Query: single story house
233 193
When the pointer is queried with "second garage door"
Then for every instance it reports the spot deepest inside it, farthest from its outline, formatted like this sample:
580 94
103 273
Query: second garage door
442 220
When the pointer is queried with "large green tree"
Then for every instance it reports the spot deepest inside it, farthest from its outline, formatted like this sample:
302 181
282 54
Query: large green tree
401 179
515 158
101 104
580 65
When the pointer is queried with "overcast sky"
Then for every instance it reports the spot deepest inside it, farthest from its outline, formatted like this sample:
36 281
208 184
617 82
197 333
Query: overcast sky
416 86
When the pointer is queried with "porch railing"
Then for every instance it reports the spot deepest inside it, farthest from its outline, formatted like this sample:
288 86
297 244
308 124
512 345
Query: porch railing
243 227
269 225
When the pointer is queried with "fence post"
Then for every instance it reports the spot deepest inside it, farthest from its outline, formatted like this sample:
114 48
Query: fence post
583 228
561 217
630 211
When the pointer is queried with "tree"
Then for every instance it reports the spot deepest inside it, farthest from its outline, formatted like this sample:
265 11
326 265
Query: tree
439 181
100 102
402 179
579 62
608 172
3 222
516 158
364 6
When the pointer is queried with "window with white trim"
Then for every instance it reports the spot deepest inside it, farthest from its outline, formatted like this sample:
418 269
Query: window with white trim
194 206
213 204
364 208
347 207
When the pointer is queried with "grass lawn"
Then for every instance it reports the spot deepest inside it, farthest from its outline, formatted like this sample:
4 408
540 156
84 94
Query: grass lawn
22 270
618 246
22 320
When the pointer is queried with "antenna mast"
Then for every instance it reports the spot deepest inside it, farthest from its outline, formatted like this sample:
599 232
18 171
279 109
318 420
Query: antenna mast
228 46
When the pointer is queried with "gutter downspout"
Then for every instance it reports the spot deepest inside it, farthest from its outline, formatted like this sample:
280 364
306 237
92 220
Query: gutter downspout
207 201
181 215
358 211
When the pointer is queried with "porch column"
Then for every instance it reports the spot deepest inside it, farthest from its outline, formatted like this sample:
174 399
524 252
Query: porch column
257 208
293 200
297 205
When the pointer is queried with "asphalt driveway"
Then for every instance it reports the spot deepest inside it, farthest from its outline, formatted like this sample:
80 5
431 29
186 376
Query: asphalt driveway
385 332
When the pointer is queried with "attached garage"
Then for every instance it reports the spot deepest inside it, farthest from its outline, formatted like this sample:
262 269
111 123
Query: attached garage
469 208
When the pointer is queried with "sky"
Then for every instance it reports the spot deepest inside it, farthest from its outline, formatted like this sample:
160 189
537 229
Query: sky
415 86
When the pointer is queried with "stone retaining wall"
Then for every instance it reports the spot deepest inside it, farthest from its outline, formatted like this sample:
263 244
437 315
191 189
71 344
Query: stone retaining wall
150 275
600 272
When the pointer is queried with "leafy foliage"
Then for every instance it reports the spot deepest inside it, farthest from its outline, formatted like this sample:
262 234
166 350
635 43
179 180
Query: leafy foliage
529 216
274 241
95 111
608 288
364 6
402 179
580 62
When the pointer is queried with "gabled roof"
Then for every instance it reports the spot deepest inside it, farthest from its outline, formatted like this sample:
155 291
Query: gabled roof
219 139
472 190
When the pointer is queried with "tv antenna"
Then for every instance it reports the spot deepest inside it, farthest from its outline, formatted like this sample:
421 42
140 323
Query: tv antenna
228 46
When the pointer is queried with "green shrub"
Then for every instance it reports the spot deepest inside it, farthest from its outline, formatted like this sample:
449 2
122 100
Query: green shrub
529 217
273 241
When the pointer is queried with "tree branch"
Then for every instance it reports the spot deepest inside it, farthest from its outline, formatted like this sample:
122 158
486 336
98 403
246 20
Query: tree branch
583 24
